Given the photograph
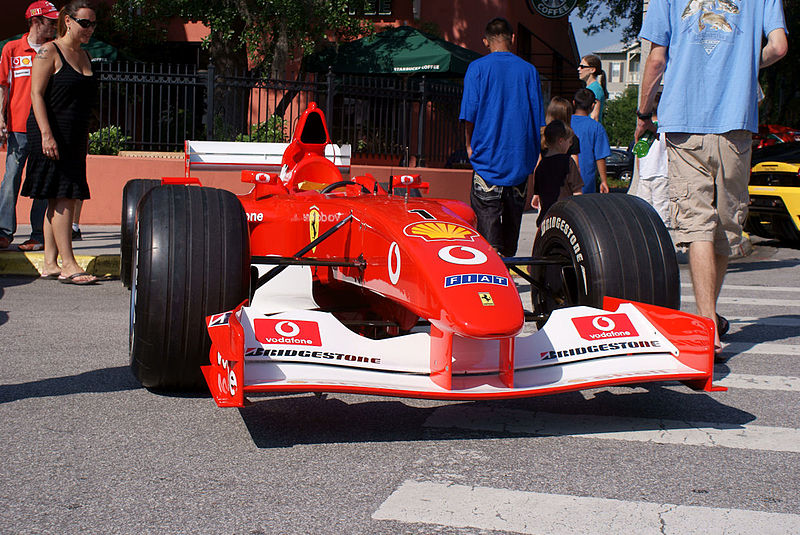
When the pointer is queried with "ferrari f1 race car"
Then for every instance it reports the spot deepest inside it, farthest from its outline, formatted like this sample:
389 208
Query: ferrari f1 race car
774 210
315 283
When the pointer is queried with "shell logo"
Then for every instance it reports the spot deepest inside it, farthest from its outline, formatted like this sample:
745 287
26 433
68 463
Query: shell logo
439 231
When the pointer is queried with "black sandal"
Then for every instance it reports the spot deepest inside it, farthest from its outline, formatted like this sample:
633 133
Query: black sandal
722 325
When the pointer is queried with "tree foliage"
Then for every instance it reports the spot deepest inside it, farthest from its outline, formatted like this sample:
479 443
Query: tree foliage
265 32
781 81
610 15
619 118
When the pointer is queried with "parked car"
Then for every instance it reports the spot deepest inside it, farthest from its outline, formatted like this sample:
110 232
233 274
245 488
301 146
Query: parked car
775 192
772 134
620 164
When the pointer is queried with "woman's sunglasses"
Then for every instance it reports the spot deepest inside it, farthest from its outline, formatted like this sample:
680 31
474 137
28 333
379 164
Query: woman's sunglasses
85 23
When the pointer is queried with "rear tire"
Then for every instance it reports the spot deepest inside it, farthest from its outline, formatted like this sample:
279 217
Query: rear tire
192 259
612 245
131 195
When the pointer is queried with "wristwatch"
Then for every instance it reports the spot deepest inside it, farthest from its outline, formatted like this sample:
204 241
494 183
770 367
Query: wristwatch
644 116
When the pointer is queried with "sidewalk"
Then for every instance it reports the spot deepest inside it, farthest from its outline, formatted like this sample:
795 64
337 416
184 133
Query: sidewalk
97 253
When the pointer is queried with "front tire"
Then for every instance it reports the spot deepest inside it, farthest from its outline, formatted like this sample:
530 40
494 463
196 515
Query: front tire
131 195
610 245
192 259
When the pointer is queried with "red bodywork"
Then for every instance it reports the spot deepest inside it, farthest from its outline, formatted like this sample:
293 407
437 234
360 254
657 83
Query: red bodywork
413 259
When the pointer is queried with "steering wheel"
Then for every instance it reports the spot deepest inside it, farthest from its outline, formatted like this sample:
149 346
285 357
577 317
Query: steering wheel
330 187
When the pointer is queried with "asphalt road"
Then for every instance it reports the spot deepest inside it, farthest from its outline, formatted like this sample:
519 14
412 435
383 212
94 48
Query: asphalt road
85 449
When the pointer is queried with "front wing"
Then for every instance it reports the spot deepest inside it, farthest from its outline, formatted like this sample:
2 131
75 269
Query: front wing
578 348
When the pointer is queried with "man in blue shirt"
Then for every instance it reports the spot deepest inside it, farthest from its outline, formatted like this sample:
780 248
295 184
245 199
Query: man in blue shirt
594 143
709 54
503 114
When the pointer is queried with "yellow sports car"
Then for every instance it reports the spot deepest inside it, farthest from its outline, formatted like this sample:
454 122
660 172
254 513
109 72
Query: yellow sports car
775 192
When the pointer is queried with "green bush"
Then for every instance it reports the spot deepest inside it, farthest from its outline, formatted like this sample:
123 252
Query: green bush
619 117
270 131
108 140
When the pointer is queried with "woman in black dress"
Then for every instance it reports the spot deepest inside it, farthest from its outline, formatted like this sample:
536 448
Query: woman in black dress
63 91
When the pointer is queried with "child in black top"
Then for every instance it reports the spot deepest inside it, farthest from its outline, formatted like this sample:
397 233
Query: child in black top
556 177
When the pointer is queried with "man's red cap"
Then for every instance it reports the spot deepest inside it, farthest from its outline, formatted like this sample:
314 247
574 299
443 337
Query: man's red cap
41 9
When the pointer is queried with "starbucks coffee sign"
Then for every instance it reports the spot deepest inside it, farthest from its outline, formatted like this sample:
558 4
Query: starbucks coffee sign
552 9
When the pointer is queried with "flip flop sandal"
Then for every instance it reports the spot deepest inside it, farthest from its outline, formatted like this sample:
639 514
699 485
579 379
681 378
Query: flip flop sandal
50 276
722 325
71 279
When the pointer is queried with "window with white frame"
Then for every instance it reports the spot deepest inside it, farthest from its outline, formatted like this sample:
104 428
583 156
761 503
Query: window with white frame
615 76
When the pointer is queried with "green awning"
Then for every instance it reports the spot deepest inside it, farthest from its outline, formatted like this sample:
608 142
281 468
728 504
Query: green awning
99 50
403 50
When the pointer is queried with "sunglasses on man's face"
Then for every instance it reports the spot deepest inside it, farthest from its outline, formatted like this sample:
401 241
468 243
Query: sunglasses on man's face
584 66
85 23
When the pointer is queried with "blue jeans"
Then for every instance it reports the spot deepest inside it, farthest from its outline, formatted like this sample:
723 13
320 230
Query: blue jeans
16 157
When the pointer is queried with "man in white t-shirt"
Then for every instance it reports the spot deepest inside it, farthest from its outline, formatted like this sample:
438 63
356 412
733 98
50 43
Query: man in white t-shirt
653 186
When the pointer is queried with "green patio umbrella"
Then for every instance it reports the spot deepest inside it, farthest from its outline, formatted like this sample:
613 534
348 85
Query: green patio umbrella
99 50
403 50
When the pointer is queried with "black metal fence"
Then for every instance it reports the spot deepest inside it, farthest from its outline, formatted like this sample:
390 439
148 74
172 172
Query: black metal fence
153 107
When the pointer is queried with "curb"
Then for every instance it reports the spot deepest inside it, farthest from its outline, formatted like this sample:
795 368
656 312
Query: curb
31 264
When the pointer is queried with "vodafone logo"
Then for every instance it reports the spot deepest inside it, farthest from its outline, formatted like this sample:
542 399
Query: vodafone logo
407 180
462 255
290 332
604 327
394 262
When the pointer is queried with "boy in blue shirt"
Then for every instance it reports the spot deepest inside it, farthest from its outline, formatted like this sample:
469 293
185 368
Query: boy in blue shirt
594 143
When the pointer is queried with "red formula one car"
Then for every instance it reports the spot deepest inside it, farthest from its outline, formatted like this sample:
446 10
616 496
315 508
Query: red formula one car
314 283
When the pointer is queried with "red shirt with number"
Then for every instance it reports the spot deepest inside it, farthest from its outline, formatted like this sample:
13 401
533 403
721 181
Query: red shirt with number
16 64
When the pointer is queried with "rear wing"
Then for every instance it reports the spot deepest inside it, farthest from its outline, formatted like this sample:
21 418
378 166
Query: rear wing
238 156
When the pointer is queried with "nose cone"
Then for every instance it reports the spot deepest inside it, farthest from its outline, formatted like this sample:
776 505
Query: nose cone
482 305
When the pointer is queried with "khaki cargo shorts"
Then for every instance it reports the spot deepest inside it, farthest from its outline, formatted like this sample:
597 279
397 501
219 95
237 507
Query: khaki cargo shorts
708 177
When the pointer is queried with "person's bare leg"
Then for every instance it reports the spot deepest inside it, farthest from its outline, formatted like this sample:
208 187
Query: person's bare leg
50 249
708 272
62 230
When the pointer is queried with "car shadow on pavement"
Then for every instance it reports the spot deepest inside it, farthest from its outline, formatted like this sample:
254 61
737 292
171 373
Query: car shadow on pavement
116 379
770 329
280 422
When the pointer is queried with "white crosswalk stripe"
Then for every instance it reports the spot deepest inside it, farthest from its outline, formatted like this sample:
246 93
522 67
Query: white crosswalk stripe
532 512
707 434
739 287
765 322
759 382
751 301
765 348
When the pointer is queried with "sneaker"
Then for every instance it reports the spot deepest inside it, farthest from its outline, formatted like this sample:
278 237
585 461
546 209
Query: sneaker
31 245
4 242
76 235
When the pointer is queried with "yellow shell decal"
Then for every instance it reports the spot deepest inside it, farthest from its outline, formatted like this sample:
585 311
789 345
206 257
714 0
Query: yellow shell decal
313 224
439 231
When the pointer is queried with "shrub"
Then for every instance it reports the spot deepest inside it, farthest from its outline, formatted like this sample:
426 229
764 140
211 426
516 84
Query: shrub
270 131
108 140
619 117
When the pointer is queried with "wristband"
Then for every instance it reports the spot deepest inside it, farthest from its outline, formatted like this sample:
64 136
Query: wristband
644 116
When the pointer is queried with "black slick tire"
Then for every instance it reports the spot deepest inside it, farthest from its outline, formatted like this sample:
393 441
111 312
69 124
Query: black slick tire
132 193
611 245
192 259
